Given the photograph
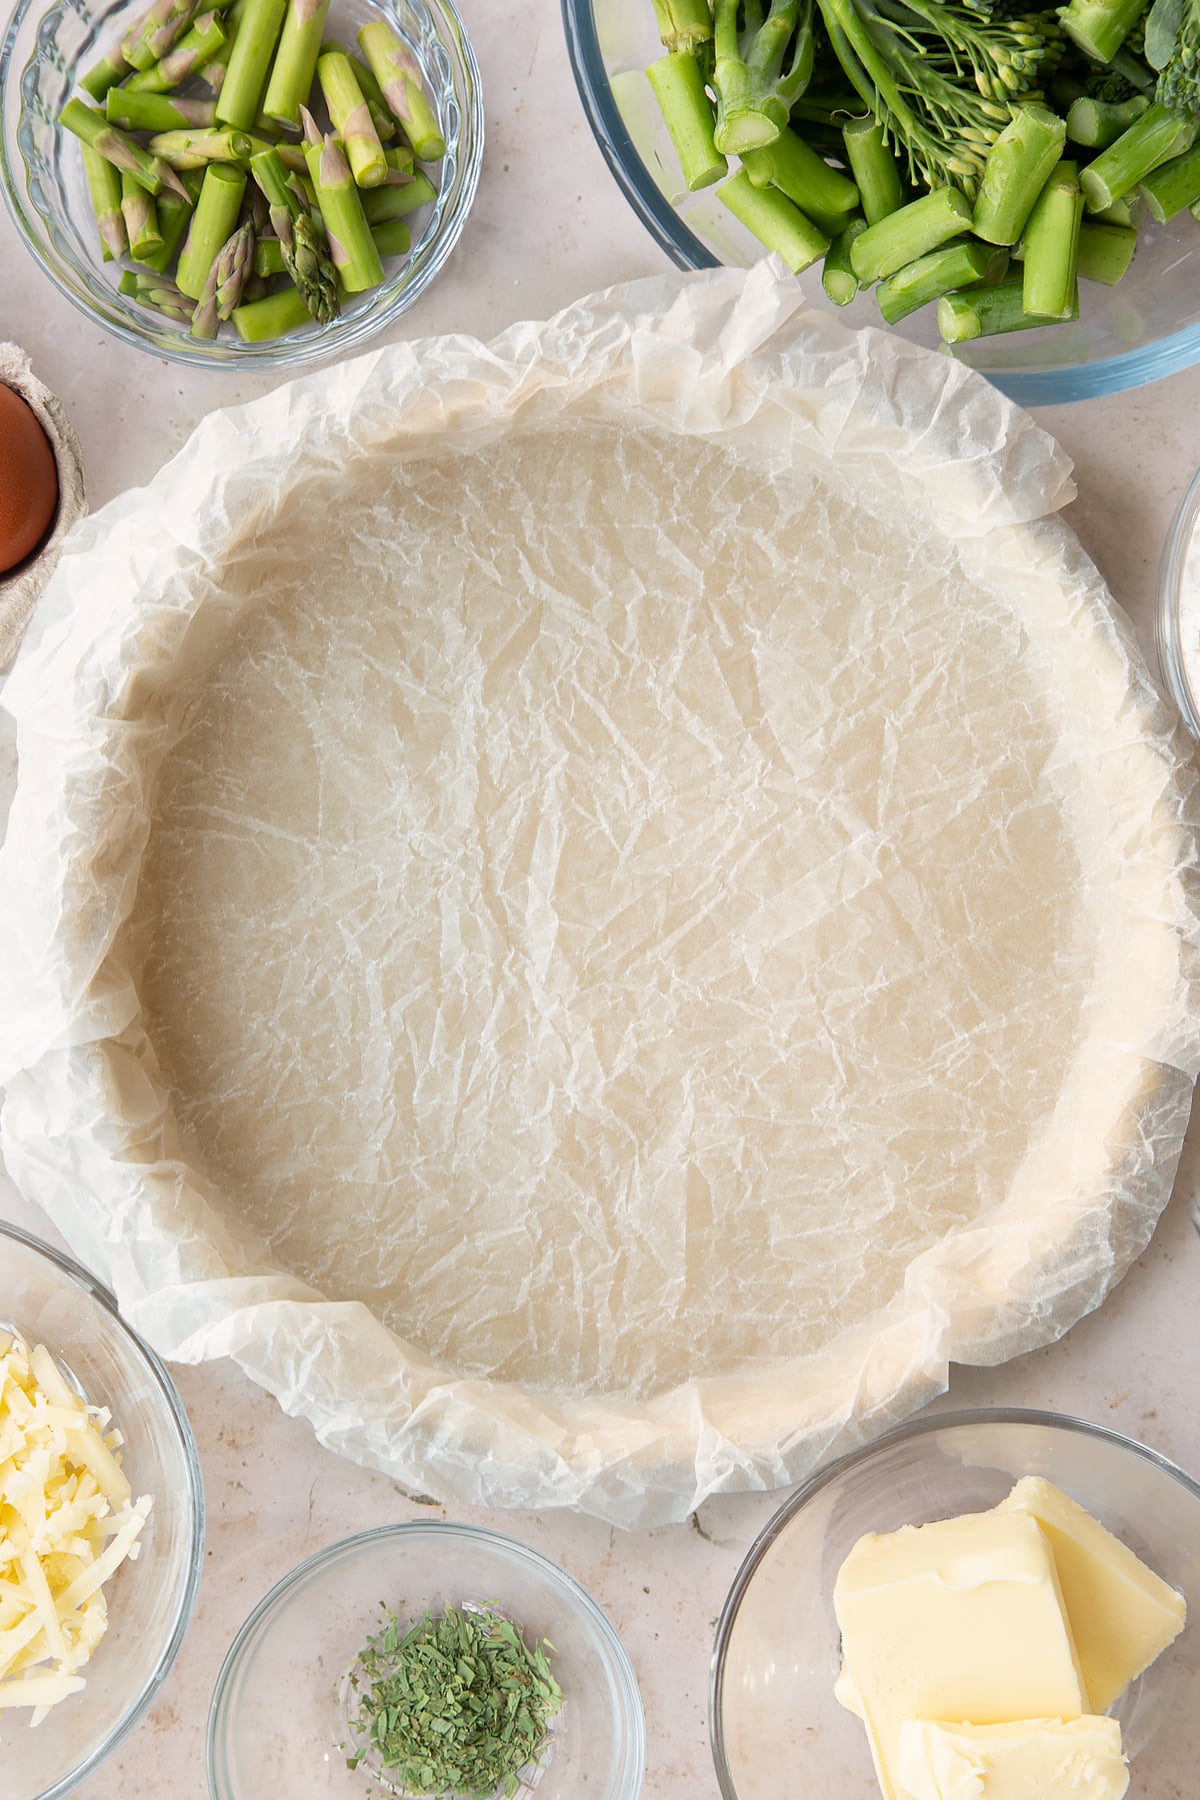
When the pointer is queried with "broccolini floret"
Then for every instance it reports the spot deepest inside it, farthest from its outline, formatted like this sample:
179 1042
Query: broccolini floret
943 80
1173 49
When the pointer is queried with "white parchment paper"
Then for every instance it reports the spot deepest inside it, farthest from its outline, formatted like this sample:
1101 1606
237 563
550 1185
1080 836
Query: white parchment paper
596 909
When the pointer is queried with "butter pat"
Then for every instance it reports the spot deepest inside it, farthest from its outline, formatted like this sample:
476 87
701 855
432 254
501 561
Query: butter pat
1079 1759
961 1619
1121 1614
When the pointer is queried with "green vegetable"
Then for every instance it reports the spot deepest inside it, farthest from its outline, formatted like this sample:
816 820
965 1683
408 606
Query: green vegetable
354 255
1155 138
1173 51
302 244
942 81
1051 245
837 273
683 24
295 62
213 221
1173 186
823 195
1098 123
874 168
759 70
688 114
398 73
1100 27
1105 252
203 40
104 186
261 321
774 221
1017 167
984 312
139 111
910 232
456 1704
351 118
941 272
253 48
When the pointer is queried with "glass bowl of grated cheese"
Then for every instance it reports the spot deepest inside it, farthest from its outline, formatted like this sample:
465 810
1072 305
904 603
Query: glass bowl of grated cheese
97 1587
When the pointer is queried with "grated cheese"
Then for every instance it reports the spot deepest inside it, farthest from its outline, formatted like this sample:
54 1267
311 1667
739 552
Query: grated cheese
68 1519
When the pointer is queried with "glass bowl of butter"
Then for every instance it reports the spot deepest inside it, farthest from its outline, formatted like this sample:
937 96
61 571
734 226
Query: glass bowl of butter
985 1604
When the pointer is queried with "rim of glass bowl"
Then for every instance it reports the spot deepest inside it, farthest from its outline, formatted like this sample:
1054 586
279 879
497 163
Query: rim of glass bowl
1027 387
632 1716
1168 641
186 1604
93 297
914 1428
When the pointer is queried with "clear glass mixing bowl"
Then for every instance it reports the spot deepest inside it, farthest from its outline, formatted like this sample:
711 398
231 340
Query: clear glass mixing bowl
46 48
280 1721
51 1300
1145 327
777 1730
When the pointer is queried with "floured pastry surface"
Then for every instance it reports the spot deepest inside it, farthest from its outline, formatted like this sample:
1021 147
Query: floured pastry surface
612 951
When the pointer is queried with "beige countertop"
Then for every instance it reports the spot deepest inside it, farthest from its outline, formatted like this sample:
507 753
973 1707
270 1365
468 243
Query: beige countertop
548 226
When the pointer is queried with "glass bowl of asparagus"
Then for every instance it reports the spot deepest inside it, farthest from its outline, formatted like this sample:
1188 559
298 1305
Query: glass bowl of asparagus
240 182
1016 184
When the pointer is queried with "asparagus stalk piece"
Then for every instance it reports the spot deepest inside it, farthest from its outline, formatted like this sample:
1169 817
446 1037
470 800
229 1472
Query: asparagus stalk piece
174 215
105 74
688 115
268 257
1051 244
351 119
910 232
837 277
213 223
263 320
165 299
301 243
1105 252
984 312
1098 123
104 186
683 24
1018 166
393 238
397 201
196 47
295 62
223 285
399 162
250 58
823 195
196 148
155 112
1173 186
775 221
1100 27
399 76
354 254
150 37
941 272
141 219
372 93
124 152
876 171
1155 138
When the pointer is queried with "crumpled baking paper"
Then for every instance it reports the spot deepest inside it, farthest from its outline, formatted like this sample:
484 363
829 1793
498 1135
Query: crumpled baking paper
596 909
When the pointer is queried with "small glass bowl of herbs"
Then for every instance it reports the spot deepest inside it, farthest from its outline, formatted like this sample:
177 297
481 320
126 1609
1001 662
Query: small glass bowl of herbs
427 1659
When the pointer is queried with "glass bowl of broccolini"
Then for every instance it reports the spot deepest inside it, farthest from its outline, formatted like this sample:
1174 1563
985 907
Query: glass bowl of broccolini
240 182
1019 184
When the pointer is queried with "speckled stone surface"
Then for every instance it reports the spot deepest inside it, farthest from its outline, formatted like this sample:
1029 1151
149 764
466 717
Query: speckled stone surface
545 229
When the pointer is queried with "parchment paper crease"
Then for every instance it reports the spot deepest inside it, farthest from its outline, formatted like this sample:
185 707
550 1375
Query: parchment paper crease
596 909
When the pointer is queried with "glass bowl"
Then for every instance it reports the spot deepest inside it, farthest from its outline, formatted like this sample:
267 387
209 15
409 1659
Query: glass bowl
44 50
53 1301
777 1730
279 1722
1145 327
1177 620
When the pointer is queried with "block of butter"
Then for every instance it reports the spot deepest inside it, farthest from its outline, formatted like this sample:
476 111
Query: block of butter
1029 1760
1122 1615
958 1620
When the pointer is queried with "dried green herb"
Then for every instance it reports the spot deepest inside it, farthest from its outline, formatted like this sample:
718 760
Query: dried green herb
456 1704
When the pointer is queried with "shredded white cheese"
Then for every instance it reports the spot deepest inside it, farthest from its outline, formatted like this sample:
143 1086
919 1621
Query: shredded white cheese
68 1519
